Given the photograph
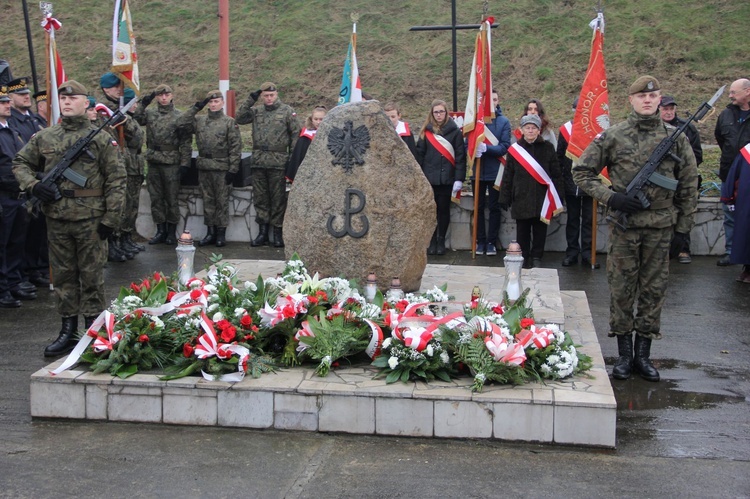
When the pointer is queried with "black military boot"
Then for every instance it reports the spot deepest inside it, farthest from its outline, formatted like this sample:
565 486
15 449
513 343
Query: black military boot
624 363
160 236
126 242
278 239
221 236
262 238
113 254
171 238
66 340
642 362
88 320
210 237
432 248
118 245
440 249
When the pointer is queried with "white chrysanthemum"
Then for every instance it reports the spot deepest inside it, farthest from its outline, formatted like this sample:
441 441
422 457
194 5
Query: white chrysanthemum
239 312
213 307
196 283
210 288
392 362
429 351
436 295
387 342
158 323
251 286
553 359
213 299
218 316
546 369
444 358
235 291
370 311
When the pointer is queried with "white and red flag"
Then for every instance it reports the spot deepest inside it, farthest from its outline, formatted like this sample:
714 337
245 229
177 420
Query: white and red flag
124 55
479 108
351 87
592 112
55 71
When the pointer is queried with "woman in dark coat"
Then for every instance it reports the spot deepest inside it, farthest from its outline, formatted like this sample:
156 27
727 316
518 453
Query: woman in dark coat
735 192
305 137
442 156
531 199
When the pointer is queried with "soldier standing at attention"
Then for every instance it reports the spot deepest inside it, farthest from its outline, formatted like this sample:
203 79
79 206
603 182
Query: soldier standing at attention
275 132
219 153
80 222
167 152
638 261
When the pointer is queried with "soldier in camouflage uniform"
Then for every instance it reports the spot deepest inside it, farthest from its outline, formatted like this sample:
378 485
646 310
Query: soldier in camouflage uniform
167 153
638 261
275 132
79 223
130 138
219 151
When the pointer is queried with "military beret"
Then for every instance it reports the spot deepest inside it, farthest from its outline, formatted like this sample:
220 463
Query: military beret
128 94
72 87
19 86
667 100
644 84
532 119
268 87
92 102
163 89
40 96
4 97
214 94
109 80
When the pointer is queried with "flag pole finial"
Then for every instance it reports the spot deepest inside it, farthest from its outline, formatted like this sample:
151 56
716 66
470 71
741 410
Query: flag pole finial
46 8
354 17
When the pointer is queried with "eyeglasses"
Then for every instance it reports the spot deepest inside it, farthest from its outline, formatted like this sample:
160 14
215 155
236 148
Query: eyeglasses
438 112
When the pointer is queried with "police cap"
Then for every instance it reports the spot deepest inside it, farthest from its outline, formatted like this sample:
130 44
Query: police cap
4 97
19 86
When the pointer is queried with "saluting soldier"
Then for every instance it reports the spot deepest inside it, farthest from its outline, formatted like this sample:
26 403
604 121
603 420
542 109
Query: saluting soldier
638 257
167 153
275 132
219 153
79 223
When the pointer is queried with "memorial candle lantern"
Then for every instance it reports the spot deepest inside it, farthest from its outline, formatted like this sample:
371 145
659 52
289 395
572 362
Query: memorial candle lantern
395 293
371 287
185 257
513 261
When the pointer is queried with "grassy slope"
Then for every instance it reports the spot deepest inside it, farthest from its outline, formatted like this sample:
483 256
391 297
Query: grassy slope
540 49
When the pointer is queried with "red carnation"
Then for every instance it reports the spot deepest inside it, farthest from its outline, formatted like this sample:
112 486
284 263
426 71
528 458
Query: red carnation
249 337
228 334
401 305
527 322
321 295
223 324
254 329
246 321
138 313
157 277
170 295
143 338
146 284
136 288
312 300
187 350
196 294
498 309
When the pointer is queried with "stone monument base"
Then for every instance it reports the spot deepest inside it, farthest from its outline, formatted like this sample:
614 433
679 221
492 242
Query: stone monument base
578 411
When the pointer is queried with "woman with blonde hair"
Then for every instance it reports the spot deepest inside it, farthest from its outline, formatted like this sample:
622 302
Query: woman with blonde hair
305 138
442 156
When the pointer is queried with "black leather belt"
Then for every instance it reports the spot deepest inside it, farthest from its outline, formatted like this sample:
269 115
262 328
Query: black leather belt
213 156
164 148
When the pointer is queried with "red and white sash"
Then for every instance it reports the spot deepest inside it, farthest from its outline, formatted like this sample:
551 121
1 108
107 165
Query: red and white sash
402 129
745 151
552 203
442 145
566 130
308 133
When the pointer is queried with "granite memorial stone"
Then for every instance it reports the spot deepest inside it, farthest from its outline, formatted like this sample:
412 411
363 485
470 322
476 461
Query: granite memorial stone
360 202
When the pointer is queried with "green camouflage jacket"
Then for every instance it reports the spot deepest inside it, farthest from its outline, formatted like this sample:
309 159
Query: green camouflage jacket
624 149
218 138
275 132
165 145
46 149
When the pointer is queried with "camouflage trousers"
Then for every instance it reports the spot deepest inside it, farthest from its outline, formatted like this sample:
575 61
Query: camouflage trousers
132 197
163 183
637 272
77 257
215 192
269 195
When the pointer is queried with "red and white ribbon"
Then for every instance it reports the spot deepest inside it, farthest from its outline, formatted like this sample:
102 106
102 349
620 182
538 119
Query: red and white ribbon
552 203
49 23
106 319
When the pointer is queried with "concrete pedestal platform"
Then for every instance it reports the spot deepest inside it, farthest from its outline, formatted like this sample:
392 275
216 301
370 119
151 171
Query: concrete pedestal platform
578 411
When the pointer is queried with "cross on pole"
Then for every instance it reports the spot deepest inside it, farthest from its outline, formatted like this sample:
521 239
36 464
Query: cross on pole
453 27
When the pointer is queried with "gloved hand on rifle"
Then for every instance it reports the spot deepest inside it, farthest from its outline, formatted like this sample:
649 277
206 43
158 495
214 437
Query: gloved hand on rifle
45 193
625 204
104 231
202 103
147 99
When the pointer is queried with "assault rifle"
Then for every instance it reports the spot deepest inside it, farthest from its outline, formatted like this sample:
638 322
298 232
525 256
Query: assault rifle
63 169
648 173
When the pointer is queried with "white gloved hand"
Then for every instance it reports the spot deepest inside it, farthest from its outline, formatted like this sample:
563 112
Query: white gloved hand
481 149
730 207
457 187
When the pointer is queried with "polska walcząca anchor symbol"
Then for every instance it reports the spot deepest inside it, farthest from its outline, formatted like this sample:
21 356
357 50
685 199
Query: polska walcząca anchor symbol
348 212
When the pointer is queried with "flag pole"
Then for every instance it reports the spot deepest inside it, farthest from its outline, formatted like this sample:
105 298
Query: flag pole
594 225
477 168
